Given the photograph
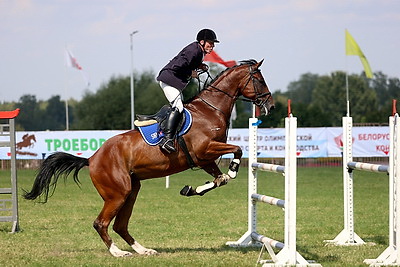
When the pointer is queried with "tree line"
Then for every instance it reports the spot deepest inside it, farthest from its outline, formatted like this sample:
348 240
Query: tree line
317 101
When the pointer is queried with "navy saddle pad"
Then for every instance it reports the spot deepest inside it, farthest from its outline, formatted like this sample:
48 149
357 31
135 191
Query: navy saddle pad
152 134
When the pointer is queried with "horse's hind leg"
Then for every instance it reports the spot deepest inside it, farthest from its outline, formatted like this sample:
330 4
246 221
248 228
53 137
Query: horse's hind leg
114 193
103 221
122 220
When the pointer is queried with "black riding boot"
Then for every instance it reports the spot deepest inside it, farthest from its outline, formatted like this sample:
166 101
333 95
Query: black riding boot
168 142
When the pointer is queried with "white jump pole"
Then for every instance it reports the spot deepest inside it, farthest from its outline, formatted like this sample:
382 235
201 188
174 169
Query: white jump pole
7 130
391 255
167 181
288 256
246 239
347 236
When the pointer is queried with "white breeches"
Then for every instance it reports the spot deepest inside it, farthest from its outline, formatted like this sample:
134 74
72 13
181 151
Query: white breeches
173 95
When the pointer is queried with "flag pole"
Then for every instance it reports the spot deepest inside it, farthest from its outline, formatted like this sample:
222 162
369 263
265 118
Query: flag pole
347 92
347 82
66 115
66 94
132 86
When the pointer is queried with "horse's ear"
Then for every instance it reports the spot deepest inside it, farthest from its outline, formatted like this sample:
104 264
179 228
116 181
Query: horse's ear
260 63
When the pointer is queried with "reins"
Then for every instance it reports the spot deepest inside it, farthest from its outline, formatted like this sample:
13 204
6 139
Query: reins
259 95
205 88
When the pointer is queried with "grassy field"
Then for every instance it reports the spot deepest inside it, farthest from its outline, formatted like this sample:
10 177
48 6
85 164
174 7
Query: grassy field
193 231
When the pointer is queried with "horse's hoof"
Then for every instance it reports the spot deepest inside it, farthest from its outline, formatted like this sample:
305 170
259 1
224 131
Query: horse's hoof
188 191
150 252
142 250
116 252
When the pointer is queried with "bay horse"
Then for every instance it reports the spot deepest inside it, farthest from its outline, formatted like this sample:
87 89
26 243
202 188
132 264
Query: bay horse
27 141
119 165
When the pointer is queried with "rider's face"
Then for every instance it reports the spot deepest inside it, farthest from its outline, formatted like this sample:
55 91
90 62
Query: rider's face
208 46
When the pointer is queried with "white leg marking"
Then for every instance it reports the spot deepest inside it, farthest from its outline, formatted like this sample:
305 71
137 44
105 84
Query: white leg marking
204 187
231 173
142 250
116 252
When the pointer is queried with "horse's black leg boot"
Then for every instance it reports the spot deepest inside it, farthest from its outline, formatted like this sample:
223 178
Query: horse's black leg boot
168 142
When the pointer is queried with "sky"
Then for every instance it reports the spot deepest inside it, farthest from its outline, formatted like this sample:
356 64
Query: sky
293 37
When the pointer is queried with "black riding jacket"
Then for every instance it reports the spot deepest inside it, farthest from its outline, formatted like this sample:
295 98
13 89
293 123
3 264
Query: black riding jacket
178 71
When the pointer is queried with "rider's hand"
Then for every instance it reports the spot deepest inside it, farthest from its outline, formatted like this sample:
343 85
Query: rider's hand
195 74
203 67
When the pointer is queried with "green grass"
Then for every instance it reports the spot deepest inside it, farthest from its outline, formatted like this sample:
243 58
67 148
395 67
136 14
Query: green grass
193 231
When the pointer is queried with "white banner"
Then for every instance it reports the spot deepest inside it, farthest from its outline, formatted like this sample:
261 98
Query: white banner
38 145
311 142
367 141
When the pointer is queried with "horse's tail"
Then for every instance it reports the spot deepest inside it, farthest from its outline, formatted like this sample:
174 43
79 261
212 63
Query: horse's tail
56 165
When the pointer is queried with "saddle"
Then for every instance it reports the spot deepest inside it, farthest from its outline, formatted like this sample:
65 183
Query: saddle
151 126
145 120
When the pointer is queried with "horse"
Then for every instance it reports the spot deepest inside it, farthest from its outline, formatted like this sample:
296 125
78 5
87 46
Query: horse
27 141
123 161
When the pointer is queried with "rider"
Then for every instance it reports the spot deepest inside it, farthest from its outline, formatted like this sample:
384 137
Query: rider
175 76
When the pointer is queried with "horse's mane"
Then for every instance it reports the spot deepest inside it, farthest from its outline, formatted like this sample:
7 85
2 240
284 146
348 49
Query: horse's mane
241 63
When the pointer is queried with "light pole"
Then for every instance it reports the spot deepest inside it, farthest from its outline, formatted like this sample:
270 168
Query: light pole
132 86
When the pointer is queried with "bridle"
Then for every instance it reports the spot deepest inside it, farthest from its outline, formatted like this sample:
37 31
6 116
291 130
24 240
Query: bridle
259 95
258 101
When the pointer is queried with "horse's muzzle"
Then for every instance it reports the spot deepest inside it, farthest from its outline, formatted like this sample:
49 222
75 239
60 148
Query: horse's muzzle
267 108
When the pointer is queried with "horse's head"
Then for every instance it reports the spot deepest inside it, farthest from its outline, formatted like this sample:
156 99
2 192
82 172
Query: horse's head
254 87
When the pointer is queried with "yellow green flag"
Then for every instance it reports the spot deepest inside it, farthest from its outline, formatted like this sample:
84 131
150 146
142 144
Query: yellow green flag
352 49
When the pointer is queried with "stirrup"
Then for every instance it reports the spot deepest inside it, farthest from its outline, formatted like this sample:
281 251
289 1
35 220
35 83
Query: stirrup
168 145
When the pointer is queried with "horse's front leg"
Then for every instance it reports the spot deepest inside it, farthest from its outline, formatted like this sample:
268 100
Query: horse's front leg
216 149
235 164
220 178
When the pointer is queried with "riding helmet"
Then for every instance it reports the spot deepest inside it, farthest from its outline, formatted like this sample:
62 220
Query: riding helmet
207 35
